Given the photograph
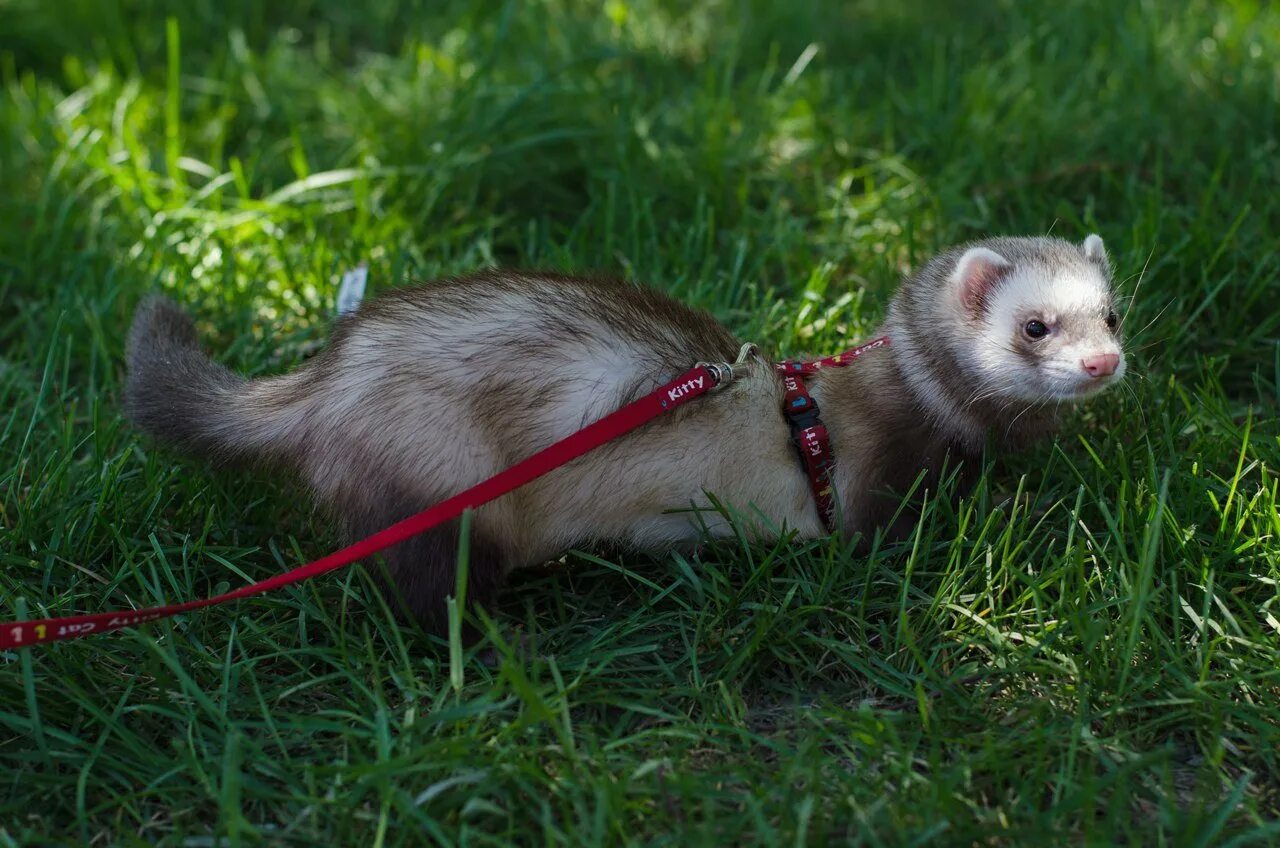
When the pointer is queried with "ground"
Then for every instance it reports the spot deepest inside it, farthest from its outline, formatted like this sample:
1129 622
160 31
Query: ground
1083 650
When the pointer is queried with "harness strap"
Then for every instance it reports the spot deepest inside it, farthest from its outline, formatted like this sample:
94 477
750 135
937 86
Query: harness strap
807 430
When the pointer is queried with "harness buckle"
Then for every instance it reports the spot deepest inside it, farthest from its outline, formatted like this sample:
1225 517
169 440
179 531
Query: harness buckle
804 419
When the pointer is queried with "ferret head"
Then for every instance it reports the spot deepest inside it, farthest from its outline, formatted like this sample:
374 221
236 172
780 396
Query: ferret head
1039 317
1021 320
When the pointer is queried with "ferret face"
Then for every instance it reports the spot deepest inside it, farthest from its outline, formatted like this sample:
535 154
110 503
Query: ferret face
1042 323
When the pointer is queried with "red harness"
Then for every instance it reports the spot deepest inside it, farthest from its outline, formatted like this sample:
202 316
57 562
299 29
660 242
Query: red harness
807 429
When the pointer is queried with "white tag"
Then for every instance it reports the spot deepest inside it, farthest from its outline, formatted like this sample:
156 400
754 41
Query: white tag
351 289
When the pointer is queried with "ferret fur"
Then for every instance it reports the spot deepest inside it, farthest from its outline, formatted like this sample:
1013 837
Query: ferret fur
426 391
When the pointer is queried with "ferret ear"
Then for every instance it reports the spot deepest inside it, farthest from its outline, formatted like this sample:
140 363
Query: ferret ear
976 275
1094 249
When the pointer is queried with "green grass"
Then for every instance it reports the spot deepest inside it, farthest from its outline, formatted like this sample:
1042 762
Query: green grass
1082 650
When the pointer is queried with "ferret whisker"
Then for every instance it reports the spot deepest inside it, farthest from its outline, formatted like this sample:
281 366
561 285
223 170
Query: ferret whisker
1141 276
976 399
1029 407
1137 403
1138 334
987 388
985 383
1151 344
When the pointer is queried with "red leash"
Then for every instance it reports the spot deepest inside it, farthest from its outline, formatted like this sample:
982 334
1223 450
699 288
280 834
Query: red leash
695 382
807 429
801 410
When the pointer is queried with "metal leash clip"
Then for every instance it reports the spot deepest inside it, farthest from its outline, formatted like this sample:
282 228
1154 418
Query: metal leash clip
722 372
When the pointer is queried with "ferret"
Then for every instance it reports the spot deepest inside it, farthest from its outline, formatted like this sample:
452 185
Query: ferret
428 390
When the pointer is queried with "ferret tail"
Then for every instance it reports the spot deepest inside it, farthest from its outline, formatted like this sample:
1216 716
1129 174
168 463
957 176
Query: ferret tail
178 395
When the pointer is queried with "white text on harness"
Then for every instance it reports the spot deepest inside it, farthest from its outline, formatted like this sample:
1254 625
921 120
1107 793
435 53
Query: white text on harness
684 388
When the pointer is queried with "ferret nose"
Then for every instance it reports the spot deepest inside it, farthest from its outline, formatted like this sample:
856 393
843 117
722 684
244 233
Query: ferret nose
1101 364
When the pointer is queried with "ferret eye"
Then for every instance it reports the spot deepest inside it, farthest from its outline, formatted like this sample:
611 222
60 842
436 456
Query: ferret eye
1111 320
1035 330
